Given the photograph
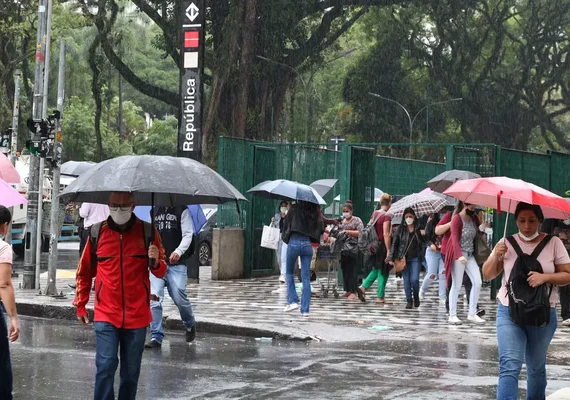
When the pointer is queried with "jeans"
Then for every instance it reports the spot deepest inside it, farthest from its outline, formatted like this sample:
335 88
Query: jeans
299 246
472 270
564 292
517 344
382 280
5 363
131 342
411 275
349 273
175 280
435 267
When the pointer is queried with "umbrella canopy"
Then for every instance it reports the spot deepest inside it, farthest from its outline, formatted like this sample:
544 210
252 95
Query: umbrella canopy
198 217
75 168
444 180
9 197
422 204
451 201
160 180
284 189
504 194
323 186
7 171
377 194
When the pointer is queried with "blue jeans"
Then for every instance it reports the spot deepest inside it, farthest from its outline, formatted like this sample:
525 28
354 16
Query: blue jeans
131 342
299 246
517 343
5 363
435 267
175 280
411 275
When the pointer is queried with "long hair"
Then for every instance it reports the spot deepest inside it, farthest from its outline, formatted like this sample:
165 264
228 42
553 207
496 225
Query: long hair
430 227
459 206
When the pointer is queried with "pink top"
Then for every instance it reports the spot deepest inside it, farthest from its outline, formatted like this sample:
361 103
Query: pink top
5 253
553 254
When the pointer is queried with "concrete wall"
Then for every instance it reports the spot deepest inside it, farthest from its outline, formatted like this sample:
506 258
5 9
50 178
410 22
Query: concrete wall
227 254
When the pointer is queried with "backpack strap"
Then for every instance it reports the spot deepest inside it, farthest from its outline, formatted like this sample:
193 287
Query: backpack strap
376 217
95 230
541 246
515 245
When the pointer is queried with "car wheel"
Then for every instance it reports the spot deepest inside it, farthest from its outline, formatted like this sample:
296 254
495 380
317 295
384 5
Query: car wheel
204 253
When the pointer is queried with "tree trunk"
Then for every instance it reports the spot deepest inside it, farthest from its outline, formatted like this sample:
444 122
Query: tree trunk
96 89
245 67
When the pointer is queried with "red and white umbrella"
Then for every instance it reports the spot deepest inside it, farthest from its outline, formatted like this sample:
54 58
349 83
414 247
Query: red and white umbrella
7 171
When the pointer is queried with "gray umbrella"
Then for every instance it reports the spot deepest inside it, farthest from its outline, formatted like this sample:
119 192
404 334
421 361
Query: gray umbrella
76 168
323 186
160 180
284 189
443 181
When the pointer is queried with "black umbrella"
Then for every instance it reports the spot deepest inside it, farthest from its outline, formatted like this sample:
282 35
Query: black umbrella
161 180
443 181
76 168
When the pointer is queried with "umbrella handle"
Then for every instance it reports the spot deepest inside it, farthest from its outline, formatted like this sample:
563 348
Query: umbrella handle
506 221
152 261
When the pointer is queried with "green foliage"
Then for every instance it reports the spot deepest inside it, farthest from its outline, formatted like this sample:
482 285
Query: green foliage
161 138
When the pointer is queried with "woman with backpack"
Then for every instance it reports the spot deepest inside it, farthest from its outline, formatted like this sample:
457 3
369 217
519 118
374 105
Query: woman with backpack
379 260
460 260
408 244
525 332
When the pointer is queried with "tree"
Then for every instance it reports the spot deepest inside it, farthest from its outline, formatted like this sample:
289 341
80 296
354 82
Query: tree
161 138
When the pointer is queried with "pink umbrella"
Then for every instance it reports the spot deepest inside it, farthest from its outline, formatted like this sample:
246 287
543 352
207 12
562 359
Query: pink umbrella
7 171
9 196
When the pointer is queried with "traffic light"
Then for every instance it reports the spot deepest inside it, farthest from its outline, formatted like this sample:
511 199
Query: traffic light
5 141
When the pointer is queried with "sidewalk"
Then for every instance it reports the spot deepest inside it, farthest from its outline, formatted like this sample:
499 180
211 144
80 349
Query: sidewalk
255 308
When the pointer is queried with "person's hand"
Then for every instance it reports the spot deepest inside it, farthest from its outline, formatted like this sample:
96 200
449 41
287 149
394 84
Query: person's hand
462 260
535 279
500 249
387 261
433 247
174 258
84 319
273 220
153 252
14 329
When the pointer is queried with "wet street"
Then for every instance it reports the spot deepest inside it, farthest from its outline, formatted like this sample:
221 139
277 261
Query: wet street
56 360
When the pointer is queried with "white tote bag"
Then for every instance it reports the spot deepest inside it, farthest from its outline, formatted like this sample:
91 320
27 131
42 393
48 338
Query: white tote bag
270 237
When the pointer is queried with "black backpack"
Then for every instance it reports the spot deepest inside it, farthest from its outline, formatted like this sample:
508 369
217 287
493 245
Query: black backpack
527 305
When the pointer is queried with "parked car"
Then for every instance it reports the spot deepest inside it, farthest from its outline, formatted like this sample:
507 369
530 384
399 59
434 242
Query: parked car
205 237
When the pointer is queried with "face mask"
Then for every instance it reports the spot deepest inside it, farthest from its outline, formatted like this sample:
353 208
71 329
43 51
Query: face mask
567 222
469 212
120 215
346 215
528 238
409 221
283 210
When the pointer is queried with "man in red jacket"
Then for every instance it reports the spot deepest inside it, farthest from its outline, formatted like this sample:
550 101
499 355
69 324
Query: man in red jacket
122 295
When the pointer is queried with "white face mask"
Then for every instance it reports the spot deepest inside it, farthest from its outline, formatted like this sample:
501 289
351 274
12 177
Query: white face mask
347 215
567 221
120 215
283 210
409 221
528 238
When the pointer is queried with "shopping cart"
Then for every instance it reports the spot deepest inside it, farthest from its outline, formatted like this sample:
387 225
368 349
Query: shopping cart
329 253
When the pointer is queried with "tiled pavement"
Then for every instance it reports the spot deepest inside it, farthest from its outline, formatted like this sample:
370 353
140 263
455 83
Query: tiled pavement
255 307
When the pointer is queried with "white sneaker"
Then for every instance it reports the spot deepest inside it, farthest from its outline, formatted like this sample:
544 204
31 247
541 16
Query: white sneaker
282 279
454 321
442 302
305 315
476 319
291 307
566 322
422 294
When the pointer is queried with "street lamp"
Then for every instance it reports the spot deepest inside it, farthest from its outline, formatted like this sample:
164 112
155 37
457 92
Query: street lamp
410 119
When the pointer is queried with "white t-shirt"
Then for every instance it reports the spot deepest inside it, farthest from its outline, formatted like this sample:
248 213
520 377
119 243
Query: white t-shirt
5 253
553 254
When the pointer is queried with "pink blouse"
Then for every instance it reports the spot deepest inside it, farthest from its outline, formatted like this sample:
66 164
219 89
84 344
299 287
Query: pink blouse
5 253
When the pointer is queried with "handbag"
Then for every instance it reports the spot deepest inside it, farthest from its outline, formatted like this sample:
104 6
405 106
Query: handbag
400 264
270 237
482 251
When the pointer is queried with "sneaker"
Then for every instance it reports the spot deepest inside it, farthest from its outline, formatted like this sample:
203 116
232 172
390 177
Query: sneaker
454 321
442 302
291 307
152 344
282 279
305 315
481 313
409 305
476 319
566 322
422 294
416 302
191 334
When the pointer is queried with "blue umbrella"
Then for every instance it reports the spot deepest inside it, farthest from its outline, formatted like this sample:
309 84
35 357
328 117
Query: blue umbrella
198 217
284 189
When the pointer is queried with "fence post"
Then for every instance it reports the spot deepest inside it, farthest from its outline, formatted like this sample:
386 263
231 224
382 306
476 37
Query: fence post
450 157
345 173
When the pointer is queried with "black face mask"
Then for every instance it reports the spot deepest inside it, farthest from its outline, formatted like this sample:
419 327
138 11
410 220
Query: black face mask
469 212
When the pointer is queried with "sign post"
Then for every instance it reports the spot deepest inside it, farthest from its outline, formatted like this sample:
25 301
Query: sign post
191 90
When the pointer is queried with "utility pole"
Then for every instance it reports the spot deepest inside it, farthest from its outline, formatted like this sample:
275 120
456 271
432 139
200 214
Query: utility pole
51 289
29 281
14 143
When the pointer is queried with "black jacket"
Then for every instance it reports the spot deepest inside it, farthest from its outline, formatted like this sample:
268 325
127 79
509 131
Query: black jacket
400 244
304 218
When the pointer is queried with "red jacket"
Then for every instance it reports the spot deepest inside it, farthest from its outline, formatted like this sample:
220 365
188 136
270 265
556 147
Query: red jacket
122 285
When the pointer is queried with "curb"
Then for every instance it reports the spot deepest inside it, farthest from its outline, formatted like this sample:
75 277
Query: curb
65 312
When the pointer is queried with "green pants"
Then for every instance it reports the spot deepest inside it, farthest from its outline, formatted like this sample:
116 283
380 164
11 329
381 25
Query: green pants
382 281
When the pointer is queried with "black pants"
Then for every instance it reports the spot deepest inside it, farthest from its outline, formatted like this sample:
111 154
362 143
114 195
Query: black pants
5 363
349 274
564 292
